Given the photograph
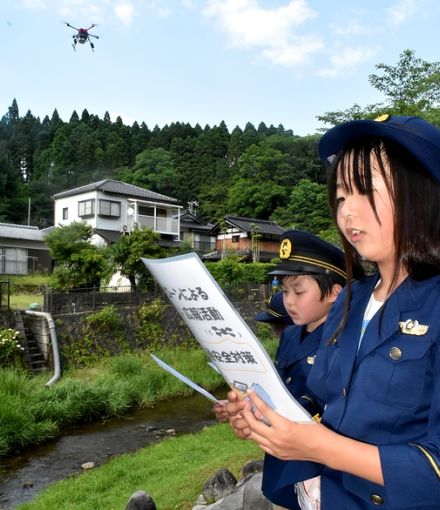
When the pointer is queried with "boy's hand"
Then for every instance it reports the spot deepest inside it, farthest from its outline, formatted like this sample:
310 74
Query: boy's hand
221 411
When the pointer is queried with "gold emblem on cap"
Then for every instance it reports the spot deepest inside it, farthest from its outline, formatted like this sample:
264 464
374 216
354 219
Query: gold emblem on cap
383 118
412 327
285 249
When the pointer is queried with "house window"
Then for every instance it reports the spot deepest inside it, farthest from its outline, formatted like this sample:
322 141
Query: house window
13 261
65 213
236 238
146 210
109 208
149 211
86 208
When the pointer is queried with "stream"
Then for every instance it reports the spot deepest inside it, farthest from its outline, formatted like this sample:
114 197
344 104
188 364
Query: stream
25 474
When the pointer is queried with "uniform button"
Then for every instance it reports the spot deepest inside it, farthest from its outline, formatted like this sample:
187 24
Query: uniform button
395 353
344 392
288 380
376 499
276 363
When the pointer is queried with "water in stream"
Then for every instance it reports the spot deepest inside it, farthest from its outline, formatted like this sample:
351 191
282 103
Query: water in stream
24 475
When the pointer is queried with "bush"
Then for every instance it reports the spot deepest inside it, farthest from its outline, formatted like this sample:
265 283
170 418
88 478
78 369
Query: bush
10 347
231 270
27 284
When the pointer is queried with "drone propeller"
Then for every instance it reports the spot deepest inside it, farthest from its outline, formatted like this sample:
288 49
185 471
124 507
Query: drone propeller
69 25
93 35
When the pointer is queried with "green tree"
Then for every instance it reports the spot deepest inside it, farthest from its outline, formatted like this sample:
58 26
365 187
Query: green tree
13 115
126 253
255 199
78 263
307 209
411 87
259 188
153 170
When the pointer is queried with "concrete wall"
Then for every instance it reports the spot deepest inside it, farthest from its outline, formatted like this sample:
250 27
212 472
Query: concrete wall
75 338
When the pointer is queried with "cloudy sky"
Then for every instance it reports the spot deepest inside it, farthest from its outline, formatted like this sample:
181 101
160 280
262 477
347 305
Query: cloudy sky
204 61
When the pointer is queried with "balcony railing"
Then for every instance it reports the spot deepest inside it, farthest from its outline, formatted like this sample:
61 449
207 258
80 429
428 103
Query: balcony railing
204 246
159 224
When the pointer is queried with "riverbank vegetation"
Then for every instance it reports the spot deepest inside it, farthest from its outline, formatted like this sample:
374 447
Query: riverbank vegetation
31 413
173 472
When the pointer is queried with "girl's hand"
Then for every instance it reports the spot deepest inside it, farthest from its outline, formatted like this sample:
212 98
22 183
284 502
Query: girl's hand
289 440
235 407
283 438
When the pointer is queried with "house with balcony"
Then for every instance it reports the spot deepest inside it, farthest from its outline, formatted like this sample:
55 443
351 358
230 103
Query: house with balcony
253 239
113 207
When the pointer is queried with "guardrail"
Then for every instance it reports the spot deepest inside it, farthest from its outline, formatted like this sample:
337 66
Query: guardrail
5 294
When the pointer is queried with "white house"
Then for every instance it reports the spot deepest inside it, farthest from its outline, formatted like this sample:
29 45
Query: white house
114 207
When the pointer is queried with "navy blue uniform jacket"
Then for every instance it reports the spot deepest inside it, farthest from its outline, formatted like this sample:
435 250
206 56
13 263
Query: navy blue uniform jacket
293 361
387 394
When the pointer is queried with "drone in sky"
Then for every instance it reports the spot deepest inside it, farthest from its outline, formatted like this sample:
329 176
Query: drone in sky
82 35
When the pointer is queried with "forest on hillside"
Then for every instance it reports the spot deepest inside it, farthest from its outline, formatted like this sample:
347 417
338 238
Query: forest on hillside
263 172
248 172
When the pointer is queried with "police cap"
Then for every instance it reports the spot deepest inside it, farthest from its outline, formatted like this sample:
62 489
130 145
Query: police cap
419 137
304 253
274 312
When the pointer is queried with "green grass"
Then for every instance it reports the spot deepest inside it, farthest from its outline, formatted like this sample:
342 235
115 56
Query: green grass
26 289
22 301
173 472
31 413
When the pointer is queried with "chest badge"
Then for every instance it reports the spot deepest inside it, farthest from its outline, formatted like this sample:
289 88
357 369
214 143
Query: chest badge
310 360
412 327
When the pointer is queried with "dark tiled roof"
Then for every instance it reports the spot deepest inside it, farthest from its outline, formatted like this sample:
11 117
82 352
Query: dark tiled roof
26 232
117 188
254 225
168 243
111 236
187 216
194 227
192 222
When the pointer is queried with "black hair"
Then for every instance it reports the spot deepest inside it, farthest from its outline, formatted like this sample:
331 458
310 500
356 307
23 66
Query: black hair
325 282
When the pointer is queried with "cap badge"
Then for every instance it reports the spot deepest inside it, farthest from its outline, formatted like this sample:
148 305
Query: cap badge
383 118
412 327
285 249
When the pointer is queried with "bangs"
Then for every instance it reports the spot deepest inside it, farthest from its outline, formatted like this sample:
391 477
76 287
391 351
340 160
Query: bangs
354 167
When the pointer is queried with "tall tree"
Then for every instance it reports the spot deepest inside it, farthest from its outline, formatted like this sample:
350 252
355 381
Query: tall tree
154 171
307 208
411 87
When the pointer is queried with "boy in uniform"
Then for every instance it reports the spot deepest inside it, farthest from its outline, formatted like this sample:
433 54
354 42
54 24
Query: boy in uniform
312 274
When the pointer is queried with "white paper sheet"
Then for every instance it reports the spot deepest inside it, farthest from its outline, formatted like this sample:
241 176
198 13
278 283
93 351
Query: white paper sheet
184 379
225 337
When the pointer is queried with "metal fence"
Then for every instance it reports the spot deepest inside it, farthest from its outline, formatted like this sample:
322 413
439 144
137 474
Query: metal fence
5 294
83 300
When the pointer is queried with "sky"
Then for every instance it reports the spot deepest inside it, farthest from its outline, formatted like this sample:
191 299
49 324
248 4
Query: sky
207 61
